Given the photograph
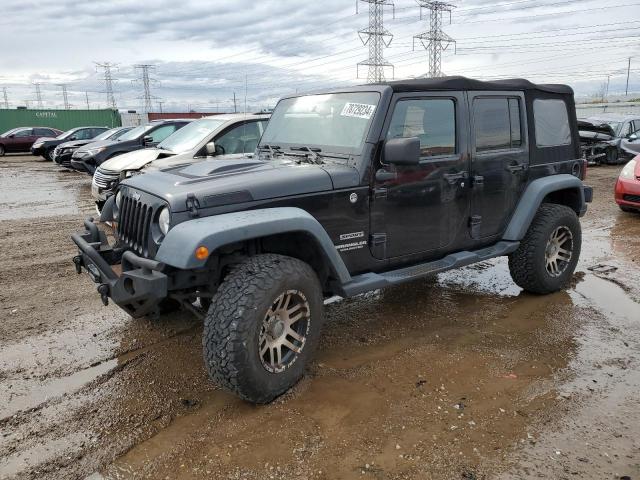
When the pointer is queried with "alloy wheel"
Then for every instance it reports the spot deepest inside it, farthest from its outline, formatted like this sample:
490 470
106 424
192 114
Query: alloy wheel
559 251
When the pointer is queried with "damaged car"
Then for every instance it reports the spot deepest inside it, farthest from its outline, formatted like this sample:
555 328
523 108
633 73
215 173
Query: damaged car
601 137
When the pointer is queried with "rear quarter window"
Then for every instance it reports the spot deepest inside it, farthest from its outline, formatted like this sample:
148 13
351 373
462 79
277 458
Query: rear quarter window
551 123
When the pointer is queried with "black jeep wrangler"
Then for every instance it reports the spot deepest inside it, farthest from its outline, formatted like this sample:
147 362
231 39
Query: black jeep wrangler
350 190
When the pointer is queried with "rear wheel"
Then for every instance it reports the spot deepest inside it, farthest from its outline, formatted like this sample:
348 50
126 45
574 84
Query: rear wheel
262 326
547 256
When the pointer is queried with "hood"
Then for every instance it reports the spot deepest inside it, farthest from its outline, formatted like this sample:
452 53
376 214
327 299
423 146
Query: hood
44 139
133 160
594 130
227 181
100 143
75 144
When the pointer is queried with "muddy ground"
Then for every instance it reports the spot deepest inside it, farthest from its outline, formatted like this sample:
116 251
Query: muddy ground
459 377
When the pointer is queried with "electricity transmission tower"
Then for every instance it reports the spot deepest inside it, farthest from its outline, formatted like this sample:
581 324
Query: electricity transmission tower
6 100
435 40
146 81
65 98
377 38
38 94
108 82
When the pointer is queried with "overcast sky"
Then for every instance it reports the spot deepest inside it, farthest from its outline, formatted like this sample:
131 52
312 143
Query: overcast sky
205 50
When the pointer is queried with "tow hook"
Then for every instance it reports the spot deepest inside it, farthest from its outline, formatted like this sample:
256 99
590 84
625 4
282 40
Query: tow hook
103 290
77 260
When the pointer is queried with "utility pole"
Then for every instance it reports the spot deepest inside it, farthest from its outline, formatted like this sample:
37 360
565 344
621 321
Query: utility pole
160 102
435 40
108 82
28 104
377 38
86 96
65 98
38 94
606 92
235 107
6 100
146 81
626 91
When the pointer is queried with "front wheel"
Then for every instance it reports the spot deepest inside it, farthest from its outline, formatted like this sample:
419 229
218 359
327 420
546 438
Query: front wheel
262 326
1 150
48 155
548 254
612 156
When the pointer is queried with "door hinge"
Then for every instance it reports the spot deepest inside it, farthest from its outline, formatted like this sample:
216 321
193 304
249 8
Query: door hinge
378 245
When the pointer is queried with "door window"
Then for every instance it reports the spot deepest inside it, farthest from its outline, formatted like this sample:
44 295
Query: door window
23 133
241 139
497 123
433 121
161 133
84 134
552 123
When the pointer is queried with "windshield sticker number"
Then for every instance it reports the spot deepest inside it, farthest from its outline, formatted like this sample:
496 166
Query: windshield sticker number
358 110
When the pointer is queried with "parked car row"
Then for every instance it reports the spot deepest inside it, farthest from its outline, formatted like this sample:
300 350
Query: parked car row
609 138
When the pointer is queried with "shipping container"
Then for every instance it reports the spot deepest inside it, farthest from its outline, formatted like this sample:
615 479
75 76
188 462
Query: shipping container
60 119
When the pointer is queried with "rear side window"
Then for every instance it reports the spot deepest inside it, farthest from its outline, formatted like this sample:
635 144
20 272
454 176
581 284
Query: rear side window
552 123
433 121
45 132
497 123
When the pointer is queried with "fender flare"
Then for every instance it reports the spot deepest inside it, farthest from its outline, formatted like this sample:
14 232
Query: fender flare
532 198
178 247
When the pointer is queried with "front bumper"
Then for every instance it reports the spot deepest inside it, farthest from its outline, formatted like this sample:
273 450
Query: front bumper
627 192
38 151
138 289
62 158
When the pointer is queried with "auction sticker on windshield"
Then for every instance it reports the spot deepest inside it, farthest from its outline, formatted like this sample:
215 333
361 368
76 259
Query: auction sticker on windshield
359 110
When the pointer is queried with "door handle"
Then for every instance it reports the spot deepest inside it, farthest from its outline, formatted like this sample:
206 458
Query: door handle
518 167
453 178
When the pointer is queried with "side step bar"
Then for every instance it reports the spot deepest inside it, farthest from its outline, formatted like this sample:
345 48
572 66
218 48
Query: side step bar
372 281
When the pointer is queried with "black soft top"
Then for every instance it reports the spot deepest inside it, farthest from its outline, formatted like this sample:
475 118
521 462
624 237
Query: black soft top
464 83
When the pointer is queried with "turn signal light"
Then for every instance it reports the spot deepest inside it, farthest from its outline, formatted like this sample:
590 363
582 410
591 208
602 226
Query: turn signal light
202 253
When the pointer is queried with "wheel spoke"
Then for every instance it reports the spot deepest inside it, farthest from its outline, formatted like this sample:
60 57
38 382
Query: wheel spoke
264 349
291 346
295 335
278 351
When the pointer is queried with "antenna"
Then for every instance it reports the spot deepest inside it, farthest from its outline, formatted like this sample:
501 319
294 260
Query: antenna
146 81
38 94
65 98
108 82
377 37
435 40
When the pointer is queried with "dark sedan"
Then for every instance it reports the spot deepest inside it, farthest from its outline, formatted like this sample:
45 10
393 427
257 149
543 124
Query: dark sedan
62 153
88 158
44 146
21 139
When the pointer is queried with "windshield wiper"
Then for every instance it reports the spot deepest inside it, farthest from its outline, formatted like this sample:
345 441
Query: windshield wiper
273 149
314 152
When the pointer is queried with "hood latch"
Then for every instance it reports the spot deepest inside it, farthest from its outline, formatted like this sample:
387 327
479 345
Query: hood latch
192 205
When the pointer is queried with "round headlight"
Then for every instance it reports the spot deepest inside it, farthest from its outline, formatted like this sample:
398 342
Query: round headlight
628 170
164 219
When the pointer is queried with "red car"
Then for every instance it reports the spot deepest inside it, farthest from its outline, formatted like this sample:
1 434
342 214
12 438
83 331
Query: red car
20 139
628 186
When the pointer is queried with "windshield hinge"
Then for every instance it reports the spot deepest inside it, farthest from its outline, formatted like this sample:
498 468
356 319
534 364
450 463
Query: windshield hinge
192 205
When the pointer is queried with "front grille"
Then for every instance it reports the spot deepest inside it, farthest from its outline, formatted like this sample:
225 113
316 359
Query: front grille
104 178
631 198
134 224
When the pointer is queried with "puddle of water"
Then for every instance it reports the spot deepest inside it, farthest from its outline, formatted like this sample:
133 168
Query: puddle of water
36 193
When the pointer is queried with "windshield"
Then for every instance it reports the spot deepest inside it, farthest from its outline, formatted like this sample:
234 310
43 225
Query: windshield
6 134
135 133
109 134
336 122
66 134
189 136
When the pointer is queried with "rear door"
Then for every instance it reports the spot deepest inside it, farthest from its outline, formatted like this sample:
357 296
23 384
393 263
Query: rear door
499 162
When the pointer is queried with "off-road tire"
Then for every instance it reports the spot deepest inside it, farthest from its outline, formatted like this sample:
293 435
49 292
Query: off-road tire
1 150
233 325
528 263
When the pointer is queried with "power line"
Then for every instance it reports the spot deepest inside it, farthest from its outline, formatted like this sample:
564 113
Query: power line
377 37
435 40
65 98
38 94
108 82
146 81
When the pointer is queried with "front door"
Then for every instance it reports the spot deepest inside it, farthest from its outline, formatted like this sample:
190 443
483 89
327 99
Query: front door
21 141
421 208
499 162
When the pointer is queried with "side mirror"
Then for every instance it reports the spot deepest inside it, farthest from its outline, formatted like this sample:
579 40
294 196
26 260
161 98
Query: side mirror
12 136
633 137
147 139
402 151
72 138
211 148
